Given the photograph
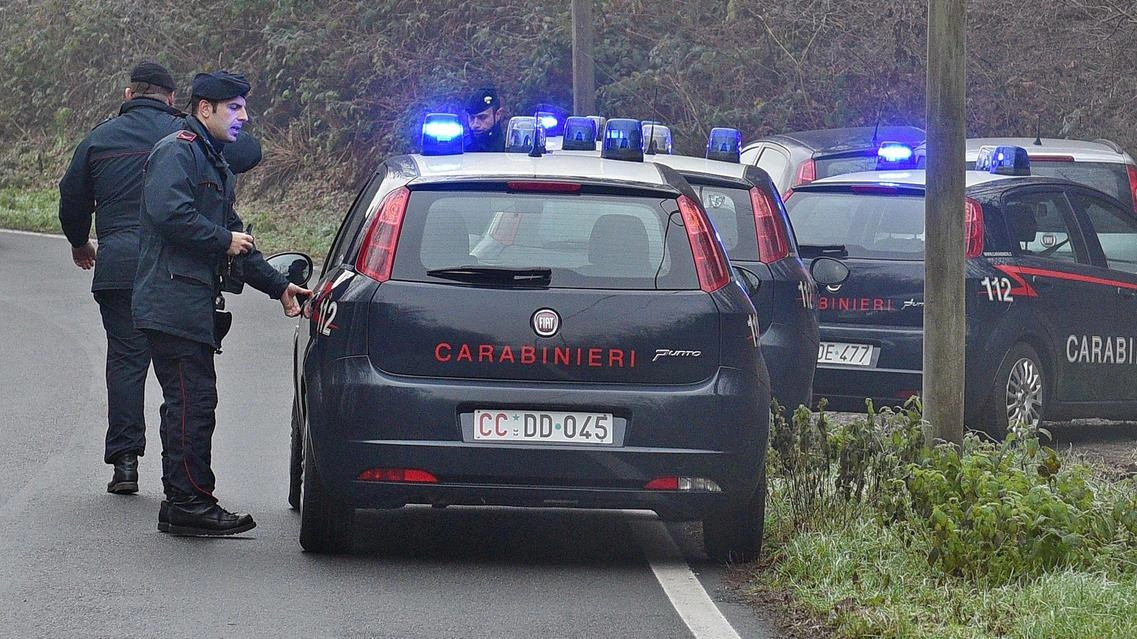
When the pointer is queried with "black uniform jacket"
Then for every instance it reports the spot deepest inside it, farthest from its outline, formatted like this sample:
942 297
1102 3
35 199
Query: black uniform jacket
104 179
185 222
493 141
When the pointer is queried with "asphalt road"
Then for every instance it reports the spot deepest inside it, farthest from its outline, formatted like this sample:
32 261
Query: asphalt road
78 562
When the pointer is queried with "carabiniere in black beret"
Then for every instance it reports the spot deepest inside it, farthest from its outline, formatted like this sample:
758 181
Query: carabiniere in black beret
220 85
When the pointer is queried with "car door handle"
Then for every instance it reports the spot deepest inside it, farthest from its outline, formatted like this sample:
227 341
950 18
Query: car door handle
1127 293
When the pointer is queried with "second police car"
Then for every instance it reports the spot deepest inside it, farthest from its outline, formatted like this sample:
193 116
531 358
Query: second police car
1051 290
557 331
750 219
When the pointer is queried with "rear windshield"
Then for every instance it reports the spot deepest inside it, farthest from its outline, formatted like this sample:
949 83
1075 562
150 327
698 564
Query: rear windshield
868 225
585 240
1107 177
732 214
827 167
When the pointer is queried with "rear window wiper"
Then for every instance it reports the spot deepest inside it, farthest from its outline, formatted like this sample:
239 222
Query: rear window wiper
810 251
537 277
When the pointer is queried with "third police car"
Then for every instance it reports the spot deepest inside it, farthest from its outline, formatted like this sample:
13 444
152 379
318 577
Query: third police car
1051 293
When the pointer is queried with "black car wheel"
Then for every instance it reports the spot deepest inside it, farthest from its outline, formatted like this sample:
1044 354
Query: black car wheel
325 522
296 463
1019 391
734 534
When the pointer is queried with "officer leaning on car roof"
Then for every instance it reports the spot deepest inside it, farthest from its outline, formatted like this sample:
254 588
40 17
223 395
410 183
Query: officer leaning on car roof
104 181
190 234
485 114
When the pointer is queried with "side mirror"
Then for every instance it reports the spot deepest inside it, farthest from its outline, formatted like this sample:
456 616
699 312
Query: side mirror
828 271
297 267
750 280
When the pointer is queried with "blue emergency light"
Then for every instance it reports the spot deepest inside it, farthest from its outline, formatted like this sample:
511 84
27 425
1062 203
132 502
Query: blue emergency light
520 133
657 137
724 144
894 151
1003 160
580 134
441 134
1009 160
623 140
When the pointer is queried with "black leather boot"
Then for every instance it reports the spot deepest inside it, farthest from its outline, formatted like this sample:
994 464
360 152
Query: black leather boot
164 517
125 480
203 518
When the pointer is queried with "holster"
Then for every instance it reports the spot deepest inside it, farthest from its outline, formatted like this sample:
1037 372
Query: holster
233 275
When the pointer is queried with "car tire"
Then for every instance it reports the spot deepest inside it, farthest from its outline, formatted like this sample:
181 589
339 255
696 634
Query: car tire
1019 391
325 522
296 461
734 534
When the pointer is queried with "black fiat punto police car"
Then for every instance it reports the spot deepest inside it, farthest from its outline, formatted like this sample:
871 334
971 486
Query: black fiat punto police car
502 329
751 220
1051 293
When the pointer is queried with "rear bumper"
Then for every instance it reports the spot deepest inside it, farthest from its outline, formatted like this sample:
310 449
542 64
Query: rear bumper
359 418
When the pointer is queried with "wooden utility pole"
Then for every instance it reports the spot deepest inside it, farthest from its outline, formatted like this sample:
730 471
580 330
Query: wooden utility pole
945 257
583 73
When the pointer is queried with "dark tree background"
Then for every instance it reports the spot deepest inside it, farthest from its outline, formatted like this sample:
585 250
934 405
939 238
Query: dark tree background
340 84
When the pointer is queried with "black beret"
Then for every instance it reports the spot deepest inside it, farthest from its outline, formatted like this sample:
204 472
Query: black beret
153 73
482 99
219 85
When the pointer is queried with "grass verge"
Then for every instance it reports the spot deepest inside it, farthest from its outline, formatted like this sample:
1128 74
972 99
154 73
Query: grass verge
295 224
30 210
870 535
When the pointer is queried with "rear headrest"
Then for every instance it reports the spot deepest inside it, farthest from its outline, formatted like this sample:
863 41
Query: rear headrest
1021 221
445 241
620 242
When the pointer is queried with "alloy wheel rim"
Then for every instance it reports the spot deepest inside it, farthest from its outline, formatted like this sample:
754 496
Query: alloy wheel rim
1024 392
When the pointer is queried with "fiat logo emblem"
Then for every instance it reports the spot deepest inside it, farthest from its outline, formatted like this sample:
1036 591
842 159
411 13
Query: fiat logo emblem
546 322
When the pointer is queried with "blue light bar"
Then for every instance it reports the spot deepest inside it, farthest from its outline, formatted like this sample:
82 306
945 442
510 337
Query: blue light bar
580 134
894 152
724 144
441 134
623 140
548 120
519 134
1010 160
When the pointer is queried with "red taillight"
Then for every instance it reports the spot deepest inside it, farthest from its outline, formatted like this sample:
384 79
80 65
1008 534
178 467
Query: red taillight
378 252
403 475
1131 171
772 242
710 261
544 187
806 173
973 228
663 483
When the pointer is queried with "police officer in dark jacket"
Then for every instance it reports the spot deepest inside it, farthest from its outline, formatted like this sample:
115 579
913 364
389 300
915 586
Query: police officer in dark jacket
485 113
104 180
191 236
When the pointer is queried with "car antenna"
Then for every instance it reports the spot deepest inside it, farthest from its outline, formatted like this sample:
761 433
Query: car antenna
876 126
650 150
1038 131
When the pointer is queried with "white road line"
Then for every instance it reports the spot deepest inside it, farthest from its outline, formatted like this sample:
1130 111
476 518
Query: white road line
681 586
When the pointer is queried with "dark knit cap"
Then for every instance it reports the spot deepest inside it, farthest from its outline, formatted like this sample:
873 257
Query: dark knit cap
153 73
219 85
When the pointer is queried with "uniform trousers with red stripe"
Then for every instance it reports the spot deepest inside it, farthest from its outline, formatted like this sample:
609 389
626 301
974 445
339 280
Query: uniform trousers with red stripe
188 378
